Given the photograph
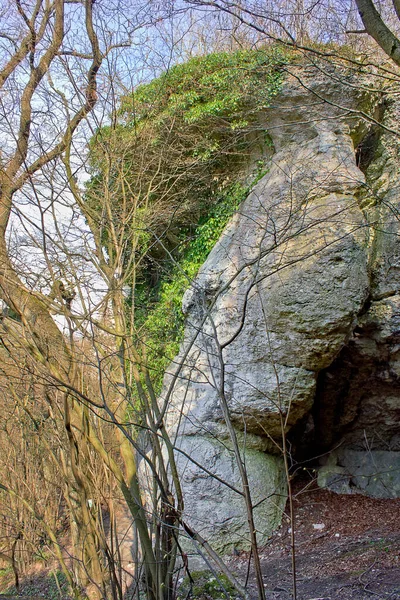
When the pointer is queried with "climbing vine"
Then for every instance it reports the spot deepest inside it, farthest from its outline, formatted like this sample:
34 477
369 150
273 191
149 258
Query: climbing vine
163 325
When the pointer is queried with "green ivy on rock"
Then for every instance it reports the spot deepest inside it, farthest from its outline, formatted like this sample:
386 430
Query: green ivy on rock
163 327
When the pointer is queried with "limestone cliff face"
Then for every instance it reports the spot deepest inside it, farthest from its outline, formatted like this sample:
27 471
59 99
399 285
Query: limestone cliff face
294 320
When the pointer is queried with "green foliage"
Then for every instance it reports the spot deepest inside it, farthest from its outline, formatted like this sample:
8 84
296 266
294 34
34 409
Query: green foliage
179 160
5 572
228 85
179 141
163 326
206 586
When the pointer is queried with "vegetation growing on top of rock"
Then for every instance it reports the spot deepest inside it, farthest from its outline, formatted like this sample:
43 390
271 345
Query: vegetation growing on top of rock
177 141
220 85
171 171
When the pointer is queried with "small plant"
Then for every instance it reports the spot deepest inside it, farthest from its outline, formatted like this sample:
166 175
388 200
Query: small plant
203 585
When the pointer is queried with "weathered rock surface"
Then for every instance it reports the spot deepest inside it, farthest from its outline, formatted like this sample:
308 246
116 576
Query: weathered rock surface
375 473
296 284
357 405
216 511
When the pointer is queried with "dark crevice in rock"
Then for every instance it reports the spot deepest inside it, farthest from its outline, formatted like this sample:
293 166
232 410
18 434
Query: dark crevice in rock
338 397
357 400
365 307
366 149
368 146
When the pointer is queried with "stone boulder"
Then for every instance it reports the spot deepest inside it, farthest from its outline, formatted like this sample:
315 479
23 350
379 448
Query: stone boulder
288 315
279 297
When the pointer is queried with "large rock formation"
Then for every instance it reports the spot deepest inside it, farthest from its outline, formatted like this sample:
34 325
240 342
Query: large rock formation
293 322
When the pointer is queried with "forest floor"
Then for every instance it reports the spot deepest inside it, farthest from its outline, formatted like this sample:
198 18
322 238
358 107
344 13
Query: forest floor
347 548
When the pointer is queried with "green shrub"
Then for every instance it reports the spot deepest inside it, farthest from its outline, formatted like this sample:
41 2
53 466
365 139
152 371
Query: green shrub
177 142
229 85
171 172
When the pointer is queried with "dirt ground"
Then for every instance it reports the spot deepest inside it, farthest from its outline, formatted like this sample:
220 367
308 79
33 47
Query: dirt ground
347 547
